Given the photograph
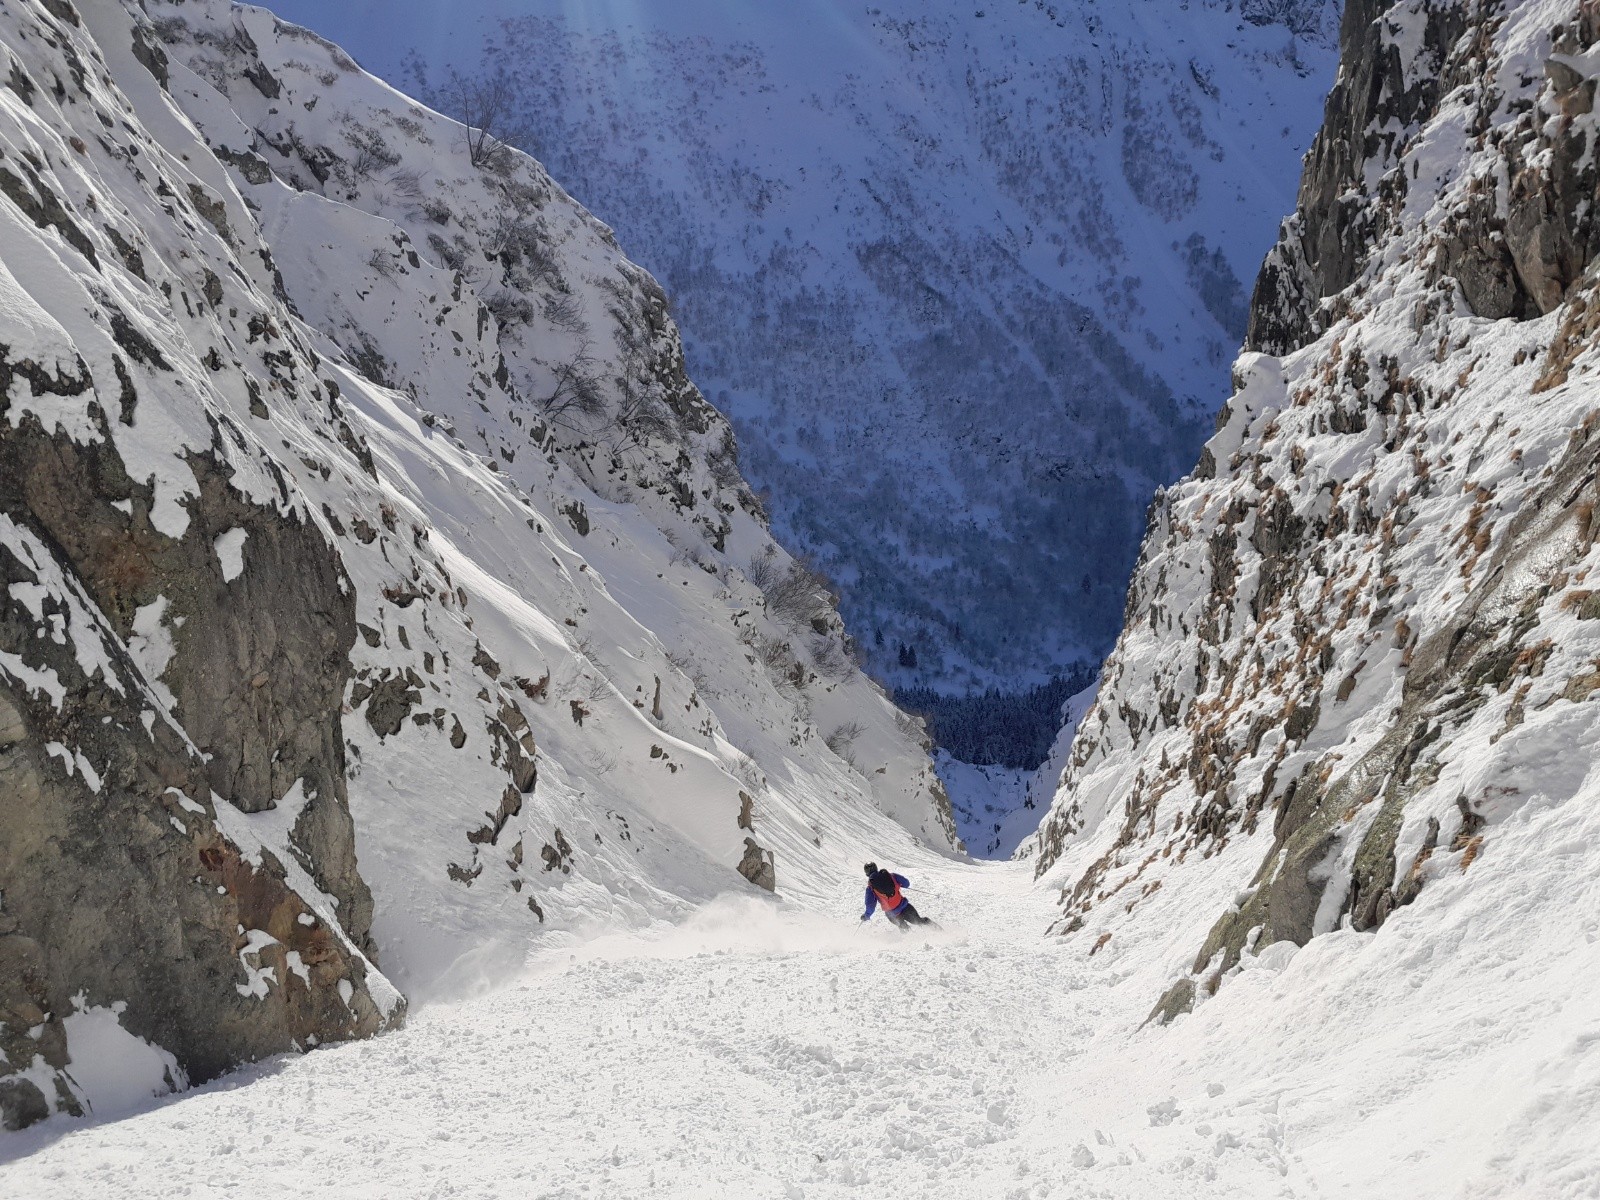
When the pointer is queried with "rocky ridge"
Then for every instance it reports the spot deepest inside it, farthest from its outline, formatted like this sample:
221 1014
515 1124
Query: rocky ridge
1362 637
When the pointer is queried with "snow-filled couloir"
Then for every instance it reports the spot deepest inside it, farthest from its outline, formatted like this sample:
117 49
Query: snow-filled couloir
379 593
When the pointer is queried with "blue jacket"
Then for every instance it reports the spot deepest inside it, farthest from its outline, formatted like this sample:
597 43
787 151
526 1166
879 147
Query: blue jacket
872 897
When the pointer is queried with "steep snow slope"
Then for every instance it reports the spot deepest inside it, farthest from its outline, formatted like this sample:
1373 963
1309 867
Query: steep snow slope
1361 669
366 192
746 1053
966 276
348 645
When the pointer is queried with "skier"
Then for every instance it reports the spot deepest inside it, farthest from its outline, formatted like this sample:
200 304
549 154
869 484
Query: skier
884 891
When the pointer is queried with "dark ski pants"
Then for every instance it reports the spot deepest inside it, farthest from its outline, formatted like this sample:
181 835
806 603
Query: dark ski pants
905 916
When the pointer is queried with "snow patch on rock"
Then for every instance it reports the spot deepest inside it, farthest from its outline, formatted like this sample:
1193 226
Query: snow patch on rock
229 547
113 1071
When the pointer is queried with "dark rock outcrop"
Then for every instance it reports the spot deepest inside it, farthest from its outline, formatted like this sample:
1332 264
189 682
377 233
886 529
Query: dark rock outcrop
1377 101
757 866
122 882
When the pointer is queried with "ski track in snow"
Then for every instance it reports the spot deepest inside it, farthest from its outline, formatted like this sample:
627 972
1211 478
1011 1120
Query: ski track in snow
758 1050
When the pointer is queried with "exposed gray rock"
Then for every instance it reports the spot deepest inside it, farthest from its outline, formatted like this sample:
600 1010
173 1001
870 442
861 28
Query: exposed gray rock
260 662
1514 248
757 866
389 703
1377 100
121 884
1448 673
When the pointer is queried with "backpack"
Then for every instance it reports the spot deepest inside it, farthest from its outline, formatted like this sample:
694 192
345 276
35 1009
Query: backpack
887 889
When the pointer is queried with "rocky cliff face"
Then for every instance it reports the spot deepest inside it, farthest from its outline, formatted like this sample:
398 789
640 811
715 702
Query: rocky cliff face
375 580
175 629
1361 641
1513 251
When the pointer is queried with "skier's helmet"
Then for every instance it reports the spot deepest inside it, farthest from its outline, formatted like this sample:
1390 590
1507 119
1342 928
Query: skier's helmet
871 869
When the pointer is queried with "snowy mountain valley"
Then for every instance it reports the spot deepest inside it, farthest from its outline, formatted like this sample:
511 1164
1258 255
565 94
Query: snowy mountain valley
424 772
1024 231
